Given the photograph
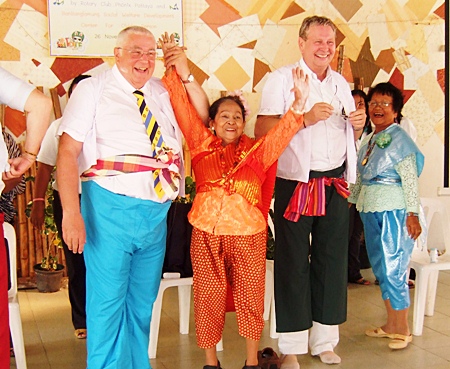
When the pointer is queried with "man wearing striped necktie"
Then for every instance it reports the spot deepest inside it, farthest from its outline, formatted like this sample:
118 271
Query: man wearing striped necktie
120 134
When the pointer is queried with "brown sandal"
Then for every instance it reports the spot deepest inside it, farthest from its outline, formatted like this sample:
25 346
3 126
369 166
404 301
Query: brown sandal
268 359
81 333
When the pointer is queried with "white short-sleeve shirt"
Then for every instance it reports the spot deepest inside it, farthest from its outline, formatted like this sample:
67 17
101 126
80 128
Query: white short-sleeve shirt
327 144
49 150
103 114
13 92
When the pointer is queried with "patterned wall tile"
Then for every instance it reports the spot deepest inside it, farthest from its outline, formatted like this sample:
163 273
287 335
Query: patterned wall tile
7 52
273 10
347 8
218 14
232 75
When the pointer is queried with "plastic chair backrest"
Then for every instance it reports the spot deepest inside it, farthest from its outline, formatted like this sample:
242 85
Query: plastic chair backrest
10 235
438 234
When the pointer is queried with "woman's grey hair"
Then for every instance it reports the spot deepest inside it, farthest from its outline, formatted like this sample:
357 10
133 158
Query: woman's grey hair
126 32
315 20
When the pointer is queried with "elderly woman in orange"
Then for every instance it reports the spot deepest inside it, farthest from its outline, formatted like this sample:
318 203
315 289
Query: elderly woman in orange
230 209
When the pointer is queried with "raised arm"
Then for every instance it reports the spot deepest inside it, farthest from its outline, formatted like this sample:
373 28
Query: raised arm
175 57
264 123
281 133
38 106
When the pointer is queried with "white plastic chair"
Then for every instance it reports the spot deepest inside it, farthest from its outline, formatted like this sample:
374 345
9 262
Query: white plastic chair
269 296
427 273
184 304
15 322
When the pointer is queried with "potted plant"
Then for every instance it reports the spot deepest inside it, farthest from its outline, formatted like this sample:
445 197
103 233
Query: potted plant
48 272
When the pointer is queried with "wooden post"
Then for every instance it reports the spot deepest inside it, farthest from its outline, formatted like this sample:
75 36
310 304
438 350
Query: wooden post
340 63
358 83
56 104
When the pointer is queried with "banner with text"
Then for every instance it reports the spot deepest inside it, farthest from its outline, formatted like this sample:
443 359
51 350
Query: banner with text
90 28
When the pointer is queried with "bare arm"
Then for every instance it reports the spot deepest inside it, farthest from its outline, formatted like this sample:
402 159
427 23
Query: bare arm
43 176
67 176
357 119
11 183
14 185
175 57
38 106
264 123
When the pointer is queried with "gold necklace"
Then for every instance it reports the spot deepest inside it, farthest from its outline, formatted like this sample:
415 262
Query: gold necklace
369 149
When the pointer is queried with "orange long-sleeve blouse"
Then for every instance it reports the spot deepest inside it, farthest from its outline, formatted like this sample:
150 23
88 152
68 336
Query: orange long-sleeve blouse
228 201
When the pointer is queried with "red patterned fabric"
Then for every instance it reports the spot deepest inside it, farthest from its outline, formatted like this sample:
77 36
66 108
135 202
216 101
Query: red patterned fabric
166 162
4 310
228 263
309 198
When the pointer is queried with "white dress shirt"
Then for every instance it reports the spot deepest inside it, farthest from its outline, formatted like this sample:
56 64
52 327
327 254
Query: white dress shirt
103 114
49 150
327 144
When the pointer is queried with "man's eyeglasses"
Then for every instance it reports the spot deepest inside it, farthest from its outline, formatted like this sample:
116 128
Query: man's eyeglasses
138 54
343 115
383 104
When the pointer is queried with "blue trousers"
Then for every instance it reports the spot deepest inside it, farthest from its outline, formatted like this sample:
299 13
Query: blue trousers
389 247
124 253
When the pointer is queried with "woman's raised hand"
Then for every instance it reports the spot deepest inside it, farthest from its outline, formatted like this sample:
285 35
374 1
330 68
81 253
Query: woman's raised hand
300 89
174 55
167 41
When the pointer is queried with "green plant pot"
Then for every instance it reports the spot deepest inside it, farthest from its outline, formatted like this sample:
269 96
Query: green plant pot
48 280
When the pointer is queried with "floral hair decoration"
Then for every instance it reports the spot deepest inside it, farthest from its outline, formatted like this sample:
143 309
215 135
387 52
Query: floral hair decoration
240 95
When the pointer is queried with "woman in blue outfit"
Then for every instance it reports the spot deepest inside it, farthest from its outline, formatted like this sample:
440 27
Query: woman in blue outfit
386 194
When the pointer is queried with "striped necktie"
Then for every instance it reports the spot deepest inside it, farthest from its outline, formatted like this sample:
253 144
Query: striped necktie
155 136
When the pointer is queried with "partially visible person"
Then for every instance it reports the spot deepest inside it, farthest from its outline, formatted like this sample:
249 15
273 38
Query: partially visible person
229 213
76 269
408 127
119 133
22 96
387 196
311 288
13 186
356 226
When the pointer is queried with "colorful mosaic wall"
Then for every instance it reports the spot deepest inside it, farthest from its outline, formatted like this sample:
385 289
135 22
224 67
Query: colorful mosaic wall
234 44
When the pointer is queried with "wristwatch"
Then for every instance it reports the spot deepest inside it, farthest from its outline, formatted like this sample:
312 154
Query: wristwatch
190 78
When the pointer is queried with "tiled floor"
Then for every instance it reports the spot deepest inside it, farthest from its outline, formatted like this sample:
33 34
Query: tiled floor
50 342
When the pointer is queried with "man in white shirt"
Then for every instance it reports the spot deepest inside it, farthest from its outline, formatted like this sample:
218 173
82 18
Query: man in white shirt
311 293
21 96
121 227
76 269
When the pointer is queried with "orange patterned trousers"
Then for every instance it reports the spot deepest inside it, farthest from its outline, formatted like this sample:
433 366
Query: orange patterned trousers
240 260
